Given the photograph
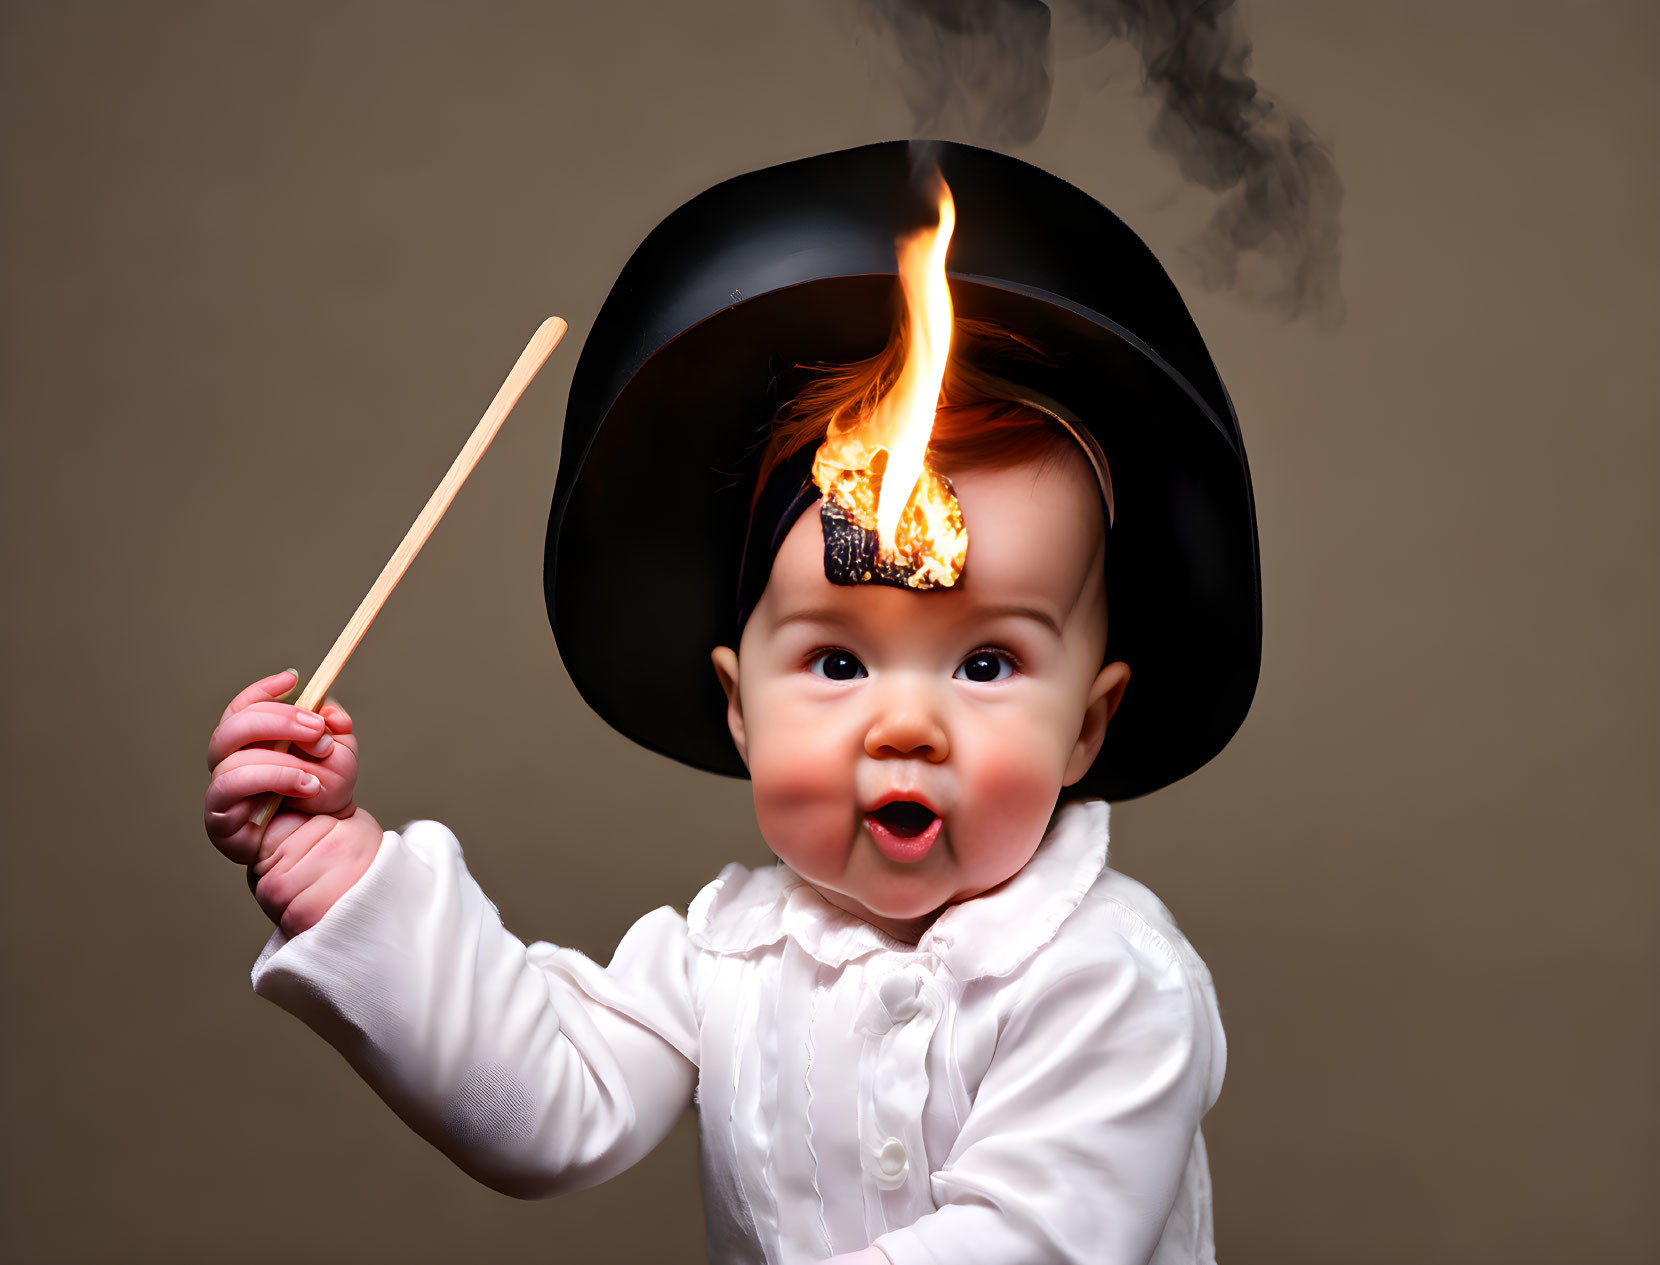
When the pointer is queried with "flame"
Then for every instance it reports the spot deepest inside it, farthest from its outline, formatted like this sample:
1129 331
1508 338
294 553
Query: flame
875 465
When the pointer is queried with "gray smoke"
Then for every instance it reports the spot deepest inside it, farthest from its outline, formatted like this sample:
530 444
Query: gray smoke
976 67
981 69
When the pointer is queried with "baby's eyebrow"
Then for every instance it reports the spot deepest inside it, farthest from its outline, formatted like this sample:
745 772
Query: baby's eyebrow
816 615
1023 612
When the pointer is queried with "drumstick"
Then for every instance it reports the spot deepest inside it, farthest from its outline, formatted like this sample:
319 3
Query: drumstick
536 351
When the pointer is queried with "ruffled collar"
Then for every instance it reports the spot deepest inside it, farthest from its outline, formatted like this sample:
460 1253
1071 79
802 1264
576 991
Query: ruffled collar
744 910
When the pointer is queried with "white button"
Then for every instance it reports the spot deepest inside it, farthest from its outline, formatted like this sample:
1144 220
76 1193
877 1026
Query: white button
901 995
892 1164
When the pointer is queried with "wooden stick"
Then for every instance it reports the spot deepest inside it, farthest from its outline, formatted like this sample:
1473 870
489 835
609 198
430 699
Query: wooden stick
536 351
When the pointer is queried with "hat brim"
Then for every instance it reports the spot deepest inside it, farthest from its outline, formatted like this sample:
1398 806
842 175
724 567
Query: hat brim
648 521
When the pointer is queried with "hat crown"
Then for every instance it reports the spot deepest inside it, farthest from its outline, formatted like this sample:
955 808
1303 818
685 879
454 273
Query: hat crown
836 215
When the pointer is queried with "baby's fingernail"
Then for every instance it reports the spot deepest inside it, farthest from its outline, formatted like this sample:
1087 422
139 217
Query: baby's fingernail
311 720
323 745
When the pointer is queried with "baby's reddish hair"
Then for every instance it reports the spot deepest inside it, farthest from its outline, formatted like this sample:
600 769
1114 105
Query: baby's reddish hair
977 426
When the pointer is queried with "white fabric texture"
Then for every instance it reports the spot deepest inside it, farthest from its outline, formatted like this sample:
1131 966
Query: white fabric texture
1025 1084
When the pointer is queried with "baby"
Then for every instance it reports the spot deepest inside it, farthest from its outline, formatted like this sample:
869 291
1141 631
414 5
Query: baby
940 1030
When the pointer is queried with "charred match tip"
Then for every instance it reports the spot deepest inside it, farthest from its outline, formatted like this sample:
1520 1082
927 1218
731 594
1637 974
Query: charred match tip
852 554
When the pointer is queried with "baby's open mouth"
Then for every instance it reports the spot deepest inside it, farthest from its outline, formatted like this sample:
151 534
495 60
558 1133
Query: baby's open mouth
903 830
905 818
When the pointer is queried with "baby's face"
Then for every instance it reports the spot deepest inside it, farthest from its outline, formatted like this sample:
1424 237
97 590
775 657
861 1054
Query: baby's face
907 749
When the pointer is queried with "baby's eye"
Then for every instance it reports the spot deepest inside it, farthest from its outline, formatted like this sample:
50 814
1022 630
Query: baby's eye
836 665
985 665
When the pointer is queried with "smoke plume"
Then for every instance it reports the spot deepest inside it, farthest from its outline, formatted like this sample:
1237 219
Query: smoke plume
981 69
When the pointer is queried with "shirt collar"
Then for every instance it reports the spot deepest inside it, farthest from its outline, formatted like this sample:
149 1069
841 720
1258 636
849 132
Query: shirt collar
992 934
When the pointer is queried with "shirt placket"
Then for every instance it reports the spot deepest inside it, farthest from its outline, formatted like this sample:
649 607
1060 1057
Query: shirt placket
901 1011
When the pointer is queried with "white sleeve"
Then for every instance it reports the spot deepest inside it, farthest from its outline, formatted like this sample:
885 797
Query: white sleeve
1079 1136
533 1068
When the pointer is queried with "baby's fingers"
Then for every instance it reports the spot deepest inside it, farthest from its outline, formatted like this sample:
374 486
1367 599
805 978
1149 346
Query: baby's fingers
266 721
320 748
266 690
338 720
247 780
232 796
339 723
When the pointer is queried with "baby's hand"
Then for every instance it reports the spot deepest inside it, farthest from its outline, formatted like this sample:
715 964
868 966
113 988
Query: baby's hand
319 842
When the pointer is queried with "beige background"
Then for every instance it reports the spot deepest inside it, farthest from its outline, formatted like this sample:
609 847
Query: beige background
264 263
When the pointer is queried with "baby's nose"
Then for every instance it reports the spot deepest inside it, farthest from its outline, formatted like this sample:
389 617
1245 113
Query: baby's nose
906 725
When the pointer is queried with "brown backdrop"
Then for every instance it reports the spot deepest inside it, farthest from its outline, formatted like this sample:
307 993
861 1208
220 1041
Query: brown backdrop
264 264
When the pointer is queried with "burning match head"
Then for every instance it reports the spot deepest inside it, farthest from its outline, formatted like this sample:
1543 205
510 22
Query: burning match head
887 516
700 343
930 545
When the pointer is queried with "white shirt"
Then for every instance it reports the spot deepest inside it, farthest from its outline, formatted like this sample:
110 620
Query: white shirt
1024 1084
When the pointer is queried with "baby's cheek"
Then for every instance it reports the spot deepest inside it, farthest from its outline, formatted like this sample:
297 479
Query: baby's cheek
1016 776
803 794
1005 820
795 761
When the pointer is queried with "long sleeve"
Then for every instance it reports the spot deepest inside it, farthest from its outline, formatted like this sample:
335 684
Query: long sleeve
531 1067
1082 1140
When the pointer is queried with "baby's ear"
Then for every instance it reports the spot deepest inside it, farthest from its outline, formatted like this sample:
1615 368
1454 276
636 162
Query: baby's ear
1105 694
725 660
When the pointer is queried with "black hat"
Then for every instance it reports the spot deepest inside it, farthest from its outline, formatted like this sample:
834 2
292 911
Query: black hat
699 343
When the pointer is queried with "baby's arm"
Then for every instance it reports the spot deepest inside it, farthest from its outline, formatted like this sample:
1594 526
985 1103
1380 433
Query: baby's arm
533 1069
